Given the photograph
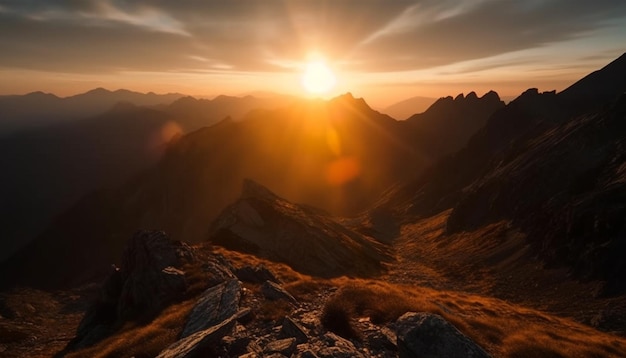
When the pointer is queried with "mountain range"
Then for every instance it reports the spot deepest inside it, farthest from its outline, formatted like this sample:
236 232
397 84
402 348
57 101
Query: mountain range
334 154
479 211
48 169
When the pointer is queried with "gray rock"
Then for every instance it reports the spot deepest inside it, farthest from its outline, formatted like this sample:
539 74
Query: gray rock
256 274
215 305
218 270
430 335
150 281
272 291
199 342
283 346
292 329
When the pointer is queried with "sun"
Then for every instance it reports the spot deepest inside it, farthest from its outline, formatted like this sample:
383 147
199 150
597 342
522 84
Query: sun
318 78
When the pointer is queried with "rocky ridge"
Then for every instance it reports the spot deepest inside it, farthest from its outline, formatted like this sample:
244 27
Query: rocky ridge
306 239
222 322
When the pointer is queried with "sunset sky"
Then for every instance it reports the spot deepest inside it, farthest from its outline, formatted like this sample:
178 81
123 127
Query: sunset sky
385 51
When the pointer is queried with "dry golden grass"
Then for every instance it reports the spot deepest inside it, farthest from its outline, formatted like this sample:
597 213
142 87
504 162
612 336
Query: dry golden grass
283 272
142 341
273 311
505 330
307 289
502 328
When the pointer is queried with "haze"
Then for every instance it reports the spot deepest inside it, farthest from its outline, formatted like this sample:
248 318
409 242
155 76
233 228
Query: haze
383 51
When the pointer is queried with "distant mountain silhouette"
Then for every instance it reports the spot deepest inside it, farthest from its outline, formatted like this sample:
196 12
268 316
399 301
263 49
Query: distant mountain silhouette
21 112
339 155
48 169
408 107
448 124
552 164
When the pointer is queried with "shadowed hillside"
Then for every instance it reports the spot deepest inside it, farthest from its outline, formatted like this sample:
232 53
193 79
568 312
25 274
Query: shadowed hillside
338 155
48 169
549 163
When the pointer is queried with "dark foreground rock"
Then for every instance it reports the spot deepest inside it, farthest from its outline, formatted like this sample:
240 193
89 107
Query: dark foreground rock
201 342
429 335
214 306
149 279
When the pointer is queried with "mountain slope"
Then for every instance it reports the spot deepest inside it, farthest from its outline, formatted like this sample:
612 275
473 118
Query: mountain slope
37 109
48 169
448 124
338 155
308 240
552 169
408 107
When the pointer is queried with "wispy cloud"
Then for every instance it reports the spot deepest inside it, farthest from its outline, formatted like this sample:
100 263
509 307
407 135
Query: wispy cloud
252 35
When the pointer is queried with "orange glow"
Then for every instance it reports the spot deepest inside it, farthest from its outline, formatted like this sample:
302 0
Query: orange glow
161 137
169 131
333 141
318 78
342 171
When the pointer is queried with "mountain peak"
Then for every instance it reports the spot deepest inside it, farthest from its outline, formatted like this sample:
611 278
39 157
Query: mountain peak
348 99
252 189
600 86
491 95
98 90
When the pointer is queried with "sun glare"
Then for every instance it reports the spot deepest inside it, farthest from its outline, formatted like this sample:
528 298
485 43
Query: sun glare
318 78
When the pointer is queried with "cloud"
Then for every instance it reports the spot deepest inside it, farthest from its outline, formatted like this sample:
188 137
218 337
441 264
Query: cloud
274 35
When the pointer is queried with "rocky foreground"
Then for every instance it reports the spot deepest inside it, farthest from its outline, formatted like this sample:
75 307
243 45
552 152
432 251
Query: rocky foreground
169 299
224 321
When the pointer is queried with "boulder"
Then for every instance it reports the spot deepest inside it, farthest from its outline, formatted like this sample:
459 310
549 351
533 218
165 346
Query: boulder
201 342
149 275
273 291
430 335
215 305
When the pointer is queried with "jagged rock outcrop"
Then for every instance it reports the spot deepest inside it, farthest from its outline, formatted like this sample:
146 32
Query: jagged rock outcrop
201 342
429 335
148 280
309 241
214 306
549 163
150 275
